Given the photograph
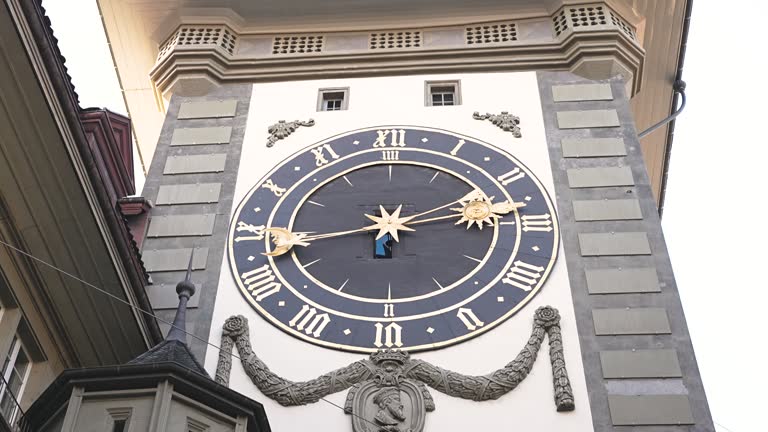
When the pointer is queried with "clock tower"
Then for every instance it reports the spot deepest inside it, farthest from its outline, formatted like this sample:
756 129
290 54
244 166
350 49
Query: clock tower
396 208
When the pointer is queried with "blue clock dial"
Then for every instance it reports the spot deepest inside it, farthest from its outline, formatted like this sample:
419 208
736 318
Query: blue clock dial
396 237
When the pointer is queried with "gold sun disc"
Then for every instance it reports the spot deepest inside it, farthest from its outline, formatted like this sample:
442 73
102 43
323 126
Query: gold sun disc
477 210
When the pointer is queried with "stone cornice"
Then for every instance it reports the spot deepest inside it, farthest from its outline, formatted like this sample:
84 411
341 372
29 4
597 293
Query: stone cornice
592 40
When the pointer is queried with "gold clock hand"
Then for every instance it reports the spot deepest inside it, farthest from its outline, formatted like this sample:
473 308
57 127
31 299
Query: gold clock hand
421 221
389 223
386 223
476 207
285 240
482 210
475 193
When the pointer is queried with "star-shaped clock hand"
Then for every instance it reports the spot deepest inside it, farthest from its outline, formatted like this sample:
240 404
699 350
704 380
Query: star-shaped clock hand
389 223
284 240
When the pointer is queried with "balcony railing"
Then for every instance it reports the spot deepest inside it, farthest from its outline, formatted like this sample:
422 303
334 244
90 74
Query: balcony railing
10 410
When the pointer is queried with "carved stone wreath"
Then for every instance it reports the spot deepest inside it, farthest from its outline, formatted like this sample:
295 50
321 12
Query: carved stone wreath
283 129
505 121
388 391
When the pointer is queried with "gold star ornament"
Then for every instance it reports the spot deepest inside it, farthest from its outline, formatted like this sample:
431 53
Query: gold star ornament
477 208
389 223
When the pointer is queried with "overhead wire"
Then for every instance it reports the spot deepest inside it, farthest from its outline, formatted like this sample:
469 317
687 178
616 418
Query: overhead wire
146 312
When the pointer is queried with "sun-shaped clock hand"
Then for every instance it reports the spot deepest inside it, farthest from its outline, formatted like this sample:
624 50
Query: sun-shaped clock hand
476 208
479 209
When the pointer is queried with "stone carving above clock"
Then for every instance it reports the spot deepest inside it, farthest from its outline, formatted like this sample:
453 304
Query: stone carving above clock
393 237
388 391
505 121
282 129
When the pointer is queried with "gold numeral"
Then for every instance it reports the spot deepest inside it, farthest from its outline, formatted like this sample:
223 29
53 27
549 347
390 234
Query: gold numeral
537 223
320 159
511 176
397 138
257 230
390 155
277 190
260 282
523 275
388 336
469 318
309 321
389 310
457 148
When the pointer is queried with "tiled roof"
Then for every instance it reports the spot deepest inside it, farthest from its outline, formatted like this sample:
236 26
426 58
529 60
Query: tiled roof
171 351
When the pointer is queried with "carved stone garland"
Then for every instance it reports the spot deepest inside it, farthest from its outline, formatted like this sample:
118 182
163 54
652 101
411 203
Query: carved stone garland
505 121
389 379
283 129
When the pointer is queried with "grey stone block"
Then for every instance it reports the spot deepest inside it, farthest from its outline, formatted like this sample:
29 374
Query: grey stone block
181 225
174 259
581 92
660 363
346 42
650 410
638 321
207 109
587 119
600 177
163 296
188 193
593 147
622 281
201 136
195 164
602 210
583 302
612 244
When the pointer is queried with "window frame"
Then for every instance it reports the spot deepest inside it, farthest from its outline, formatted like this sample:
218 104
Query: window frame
430 85
119 414
328 90
8 369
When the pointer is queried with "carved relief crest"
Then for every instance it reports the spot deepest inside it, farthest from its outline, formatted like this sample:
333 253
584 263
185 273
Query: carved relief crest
398 408
388 391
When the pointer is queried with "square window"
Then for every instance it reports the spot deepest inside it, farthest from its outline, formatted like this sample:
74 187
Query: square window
442 93
333 99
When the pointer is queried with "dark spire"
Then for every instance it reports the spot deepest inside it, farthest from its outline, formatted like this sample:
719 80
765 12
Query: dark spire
174 348
185 289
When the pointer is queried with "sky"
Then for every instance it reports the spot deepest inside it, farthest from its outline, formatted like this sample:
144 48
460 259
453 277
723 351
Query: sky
713 205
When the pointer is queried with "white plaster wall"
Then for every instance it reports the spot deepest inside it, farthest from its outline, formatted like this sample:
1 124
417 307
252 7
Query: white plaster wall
393 101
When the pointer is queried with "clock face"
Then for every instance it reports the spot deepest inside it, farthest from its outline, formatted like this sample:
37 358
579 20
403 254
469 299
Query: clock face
393 237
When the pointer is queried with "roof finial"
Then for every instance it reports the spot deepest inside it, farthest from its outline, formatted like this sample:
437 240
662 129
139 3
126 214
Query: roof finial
185 289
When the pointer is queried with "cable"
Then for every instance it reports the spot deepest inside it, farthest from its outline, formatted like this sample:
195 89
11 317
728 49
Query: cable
721 426
206 341
114 297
